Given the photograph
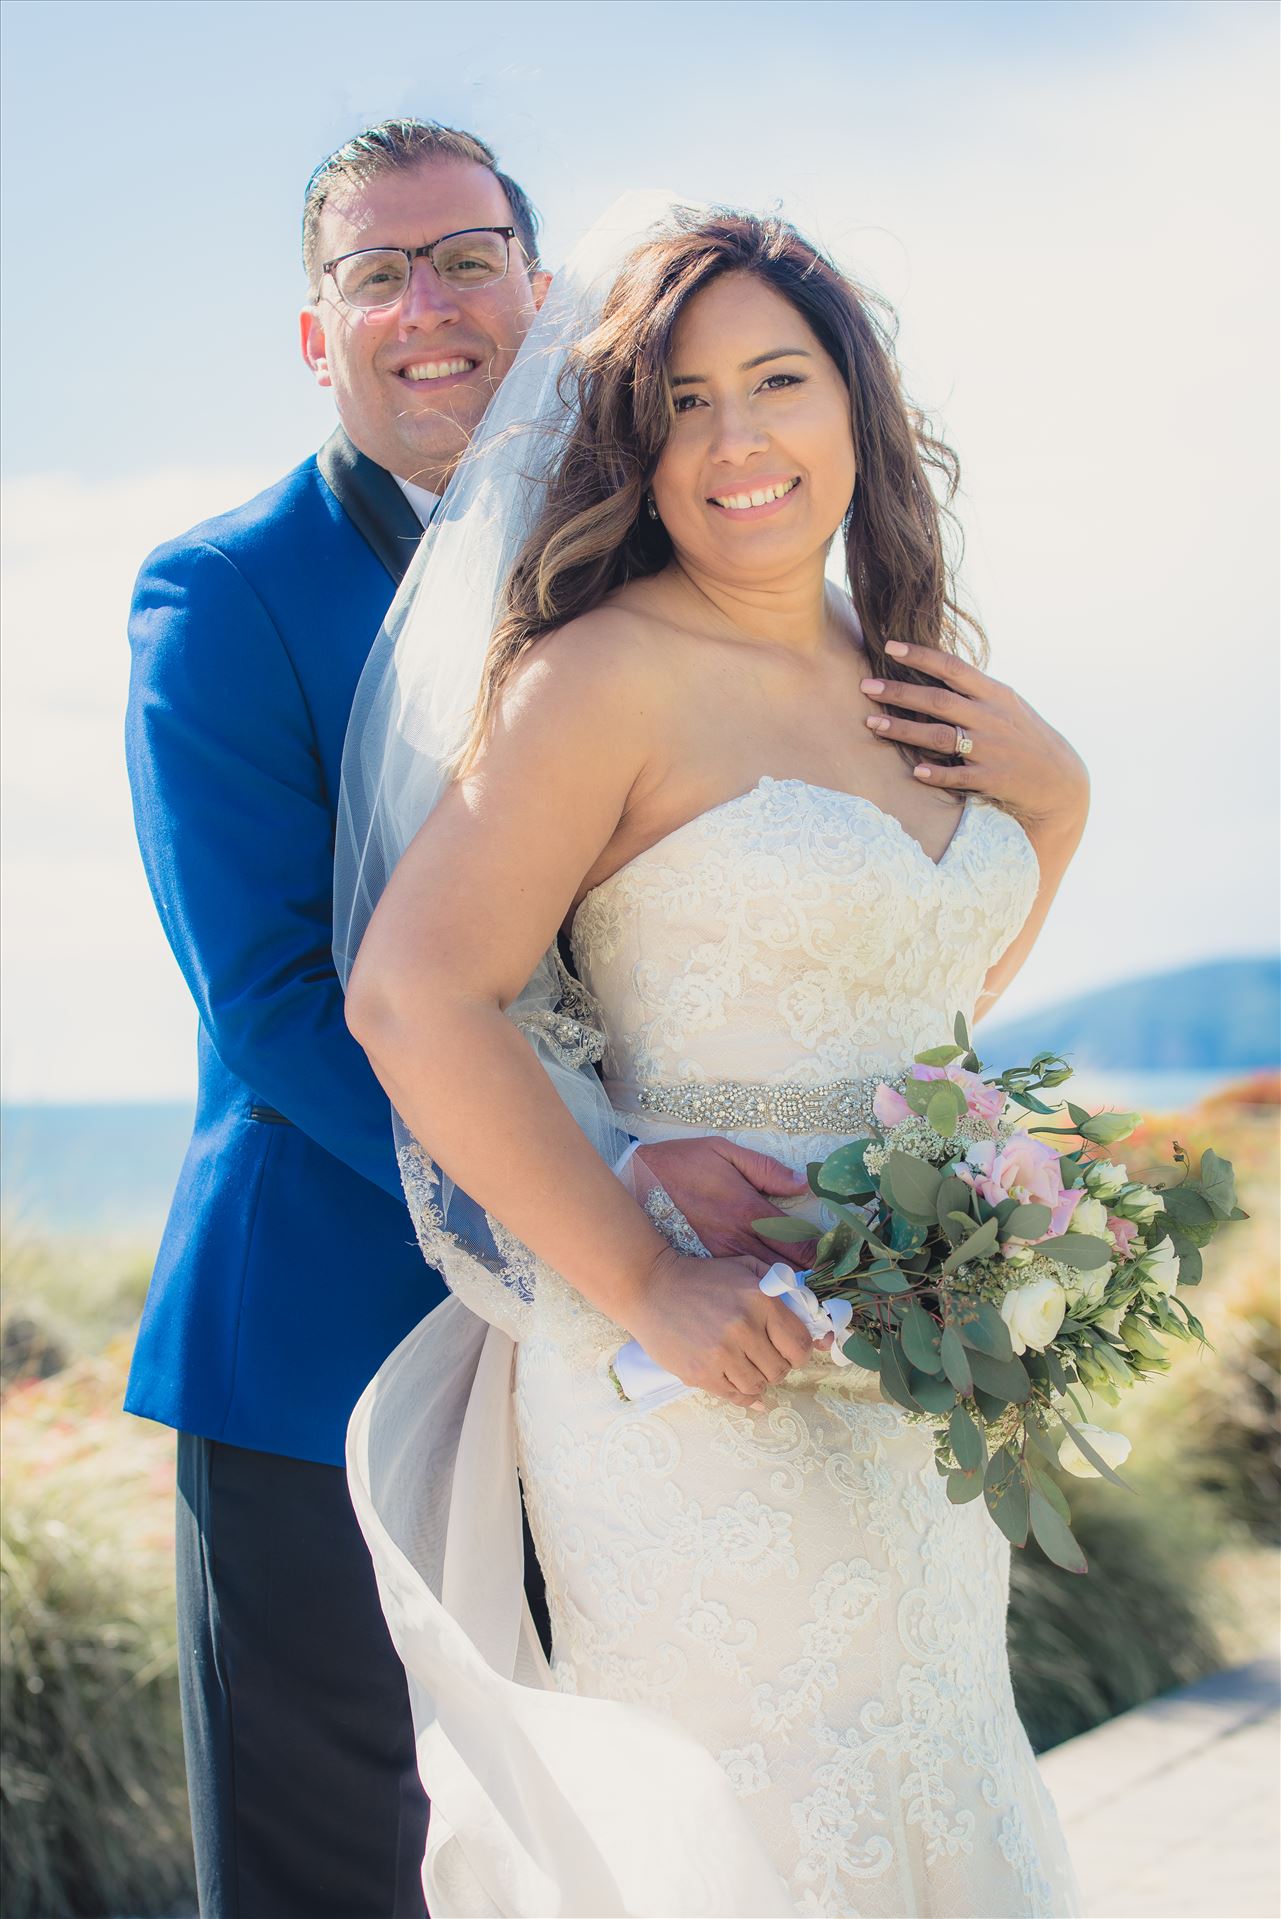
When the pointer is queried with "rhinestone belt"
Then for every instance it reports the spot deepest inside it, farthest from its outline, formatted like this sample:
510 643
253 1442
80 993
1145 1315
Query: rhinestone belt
732 1105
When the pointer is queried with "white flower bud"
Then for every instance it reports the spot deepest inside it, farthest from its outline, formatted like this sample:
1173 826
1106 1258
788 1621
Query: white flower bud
1104 1178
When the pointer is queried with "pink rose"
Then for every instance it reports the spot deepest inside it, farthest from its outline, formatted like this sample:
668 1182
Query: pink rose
985 1102
1124 1232
889 1107
1027 1169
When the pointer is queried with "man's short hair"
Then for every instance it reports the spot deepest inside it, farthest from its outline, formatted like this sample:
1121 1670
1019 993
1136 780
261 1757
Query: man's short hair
394 146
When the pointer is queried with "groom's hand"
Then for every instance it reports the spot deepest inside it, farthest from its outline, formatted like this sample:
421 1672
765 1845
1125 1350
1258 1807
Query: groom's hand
721 1188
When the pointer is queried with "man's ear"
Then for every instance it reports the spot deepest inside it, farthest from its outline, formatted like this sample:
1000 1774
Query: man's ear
539 282
314 351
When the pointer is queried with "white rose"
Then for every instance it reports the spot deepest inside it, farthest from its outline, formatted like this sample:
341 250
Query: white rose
1091 1216
1034 1314
1017 1255
1112 1448
1104 1178
1138 1203
1161 1266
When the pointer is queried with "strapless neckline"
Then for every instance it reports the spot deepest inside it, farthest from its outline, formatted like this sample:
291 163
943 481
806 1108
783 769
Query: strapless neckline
856 800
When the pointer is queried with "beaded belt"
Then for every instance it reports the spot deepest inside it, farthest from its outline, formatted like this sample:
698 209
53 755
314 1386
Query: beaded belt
732 1105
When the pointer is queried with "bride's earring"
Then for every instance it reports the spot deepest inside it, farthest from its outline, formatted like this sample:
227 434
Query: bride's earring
650 508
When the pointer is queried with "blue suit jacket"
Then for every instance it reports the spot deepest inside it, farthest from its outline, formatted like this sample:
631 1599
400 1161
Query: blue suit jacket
288 1269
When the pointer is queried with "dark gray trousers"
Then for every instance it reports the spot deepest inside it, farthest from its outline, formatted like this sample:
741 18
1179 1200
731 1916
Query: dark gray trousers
305 1797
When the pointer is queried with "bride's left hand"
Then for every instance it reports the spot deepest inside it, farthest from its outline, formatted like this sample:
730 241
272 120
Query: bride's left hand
1017 758
722 1188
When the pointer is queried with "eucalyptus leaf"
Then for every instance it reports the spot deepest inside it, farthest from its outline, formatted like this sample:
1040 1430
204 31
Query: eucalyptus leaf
946 1108
955 1363
991 1409
985 1330
916 1185
883 1278
1186 1207
905 1236
862 1352
953 1201
939 1055
968 1444
1055 1368
963 1487
1050 1490
1005 1491
960 1031
787 1231
844 1173
1080 1250
1040 1442
918 1093
1003 1378
894 1374
931 1395
1027 1222
1053 1534
1218 1183
978 1243
832 1246
921 1338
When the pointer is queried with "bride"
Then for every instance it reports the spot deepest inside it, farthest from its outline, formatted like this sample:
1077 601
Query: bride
629 719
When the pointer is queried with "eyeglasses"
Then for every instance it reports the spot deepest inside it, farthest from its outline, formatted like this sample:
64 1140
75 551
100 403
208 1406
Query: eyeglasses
379 276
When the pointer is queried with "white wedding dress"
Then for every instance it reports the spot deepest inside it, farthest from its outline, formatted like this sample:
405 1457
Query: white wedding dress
779 1681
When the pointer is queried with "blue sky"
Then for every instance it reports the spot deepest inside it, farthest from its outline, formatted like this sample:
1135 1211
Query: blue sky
1073 206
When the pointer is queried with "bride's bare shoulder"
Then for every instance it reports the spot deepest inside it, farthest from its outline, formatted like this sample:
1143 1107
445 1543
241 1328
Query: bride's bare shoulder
612 663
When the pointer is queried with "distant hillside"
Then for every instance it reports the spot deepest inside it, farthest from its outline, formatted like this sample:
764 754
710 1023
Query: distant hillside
1225 1013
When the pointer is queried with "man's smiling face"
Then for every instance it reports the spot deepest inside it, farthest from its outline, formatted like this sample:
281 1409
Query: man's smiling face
412 381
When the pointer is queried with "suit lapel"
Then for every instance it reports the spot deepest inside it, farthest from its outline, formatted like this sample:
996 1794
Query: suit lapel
372 501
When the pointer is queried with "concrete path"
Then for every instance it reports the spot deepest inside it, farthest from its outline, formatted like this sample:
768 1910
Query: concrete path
1173 1811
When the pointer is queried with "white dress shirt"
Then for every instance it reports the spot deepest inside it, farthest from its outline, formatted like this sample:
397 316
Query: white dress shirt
423 502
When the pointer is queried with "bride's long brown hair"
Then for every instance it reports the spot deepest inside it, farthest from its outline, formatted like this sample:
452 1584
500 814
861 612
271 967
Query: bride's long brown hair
593 532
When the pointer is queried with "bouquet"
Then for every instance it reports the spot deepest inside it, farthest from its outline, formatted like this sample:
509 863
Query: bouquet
986 1265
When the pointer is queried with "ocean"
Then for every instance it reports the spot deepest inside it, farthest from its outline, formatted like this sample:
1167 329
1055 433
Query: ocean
111 1169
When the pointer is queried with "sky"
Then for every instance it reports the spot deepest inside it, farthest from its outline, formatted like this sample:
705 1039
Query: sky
1072 204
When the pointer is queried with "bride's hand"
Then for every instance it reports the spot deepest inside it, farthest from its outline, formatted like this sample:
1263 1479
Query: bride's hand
707 1321
1017 757
722 1189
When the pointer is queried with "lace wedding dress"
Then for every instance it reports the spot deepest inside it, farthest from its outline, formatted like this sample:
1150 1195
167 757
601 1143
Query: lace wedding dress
779 1680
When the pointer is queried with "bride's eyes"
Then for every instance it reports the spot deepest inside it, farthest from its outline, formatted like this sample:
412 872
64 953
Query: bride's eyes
776 383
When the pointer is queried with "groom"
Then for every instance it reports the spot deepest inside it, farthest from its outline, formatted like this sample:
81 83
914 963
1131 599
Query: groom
288 1269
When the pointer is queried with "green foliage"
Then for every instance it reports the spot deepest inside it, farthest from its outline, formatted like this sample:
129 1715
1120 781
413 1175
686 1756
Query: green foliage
1082 1650
95 1815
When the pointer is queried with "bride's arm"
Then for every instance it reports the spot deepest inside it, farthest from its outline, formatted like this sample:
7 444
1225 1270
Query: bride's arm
471 909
